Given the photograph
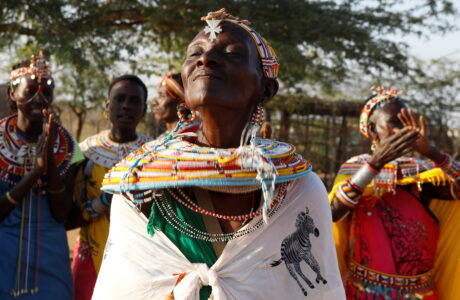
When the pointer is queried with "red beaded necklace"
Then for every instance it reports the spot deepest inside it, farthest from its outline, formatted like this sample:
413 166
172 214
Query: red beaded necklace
194 207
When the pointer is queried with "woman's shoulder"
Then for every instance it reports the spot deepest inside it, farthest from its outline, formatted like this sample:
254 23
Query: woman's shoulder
309 187
90 142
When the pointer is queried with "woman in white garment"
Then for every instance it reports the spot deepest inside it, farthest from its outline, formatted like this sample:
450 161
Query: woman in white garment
231 216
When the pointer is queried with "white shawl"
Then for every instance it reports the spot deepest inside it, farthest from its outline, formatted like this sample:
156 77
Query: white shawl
139 266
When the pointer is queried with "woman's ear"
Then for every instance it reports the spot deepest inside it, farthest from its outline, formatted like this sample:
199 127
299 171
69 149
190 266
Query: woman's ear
270 89
372 132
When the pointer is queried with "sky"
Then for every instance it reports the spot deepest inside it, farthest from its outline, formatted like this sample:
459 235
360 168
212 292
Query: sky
438 46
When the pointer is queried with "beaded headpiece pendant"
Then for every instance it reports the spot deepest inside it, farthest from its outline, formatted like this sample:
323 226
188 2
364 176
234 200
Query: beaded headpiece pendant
382 95
38 69
270 65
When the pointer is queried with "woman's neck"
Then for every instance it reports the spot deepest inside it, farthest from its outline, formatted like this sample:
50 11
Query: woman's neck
222 130
30 130
171 125
122 136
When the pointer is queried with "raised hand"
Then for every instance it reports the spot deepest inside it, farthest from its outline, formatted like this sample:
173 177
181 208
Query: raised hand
50 129
408 119
394 146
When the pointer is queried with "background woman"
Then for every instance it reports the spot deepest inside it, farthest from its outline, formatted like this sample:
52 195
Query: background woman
37 158
387 236
170 94
232 214
125 107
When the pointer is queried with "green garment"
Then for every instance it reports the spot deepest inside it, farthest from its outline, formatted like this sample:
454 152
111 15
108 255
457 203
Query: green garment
195 250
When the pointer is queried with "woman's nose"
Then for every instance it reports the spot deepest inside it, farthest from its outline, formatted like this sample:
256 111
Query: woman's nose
209 58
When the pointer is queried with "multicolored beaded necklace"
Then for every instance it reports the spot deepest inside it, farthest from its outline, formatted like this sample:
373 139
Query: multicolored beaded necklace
181 225
105 152
16 160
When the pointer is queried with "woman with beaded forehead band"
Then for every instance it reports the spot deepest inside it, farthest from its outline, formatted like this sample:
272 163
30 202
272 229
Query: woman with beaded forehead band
37 158
125 106
231 215
386 235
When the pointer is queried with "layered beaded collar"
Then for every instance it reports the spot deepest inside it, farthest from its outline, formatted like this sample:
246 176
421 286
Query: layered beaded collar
176 161
103 151
17 155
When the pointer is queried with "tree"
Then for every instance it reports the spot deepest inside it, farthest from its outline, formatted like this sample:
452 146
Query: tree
318 42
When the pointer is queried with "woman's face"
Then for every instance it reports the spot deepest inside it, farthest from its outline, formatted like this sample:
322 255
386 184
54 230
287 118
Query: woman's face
126 105
384 121
225 72
164 107
32 98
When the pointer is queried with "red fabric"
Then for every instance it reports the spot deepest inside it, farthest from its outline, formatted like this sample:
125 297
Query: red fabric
83 272
393 234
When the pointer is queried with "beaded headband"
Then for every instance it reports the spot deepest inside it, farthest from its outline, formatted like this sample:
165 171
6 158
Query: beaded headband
173 88
270 65
39 68
383 95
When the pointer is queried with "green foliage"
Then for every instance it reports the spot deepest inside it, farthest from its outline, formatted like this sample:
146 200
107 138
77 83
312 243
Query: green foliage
318 42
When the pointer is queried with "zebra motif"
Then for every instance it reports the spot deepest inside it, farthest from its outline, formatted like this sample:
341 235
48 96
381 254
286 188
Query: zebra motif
297 247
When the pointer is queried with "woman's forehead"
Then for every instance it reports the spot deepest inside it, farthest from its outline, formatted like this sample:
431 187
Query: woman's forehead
230 34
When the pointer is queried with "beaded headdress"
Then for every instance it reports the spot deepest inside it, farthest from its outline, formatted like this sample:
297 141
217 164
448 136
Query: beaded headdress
173 88
382 95
270 65
38 69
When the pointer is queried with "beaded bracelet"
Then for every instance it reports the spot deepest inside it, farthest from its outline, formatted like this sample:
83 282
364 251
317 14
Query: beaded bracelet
11 199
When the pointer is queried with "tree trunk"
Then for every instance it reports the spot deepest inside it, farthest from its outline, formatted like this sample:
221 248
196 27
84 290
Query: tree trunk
285 125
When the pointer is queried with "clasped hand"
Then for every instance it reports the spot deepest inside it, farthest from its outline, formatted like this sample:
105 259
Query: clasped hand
44 150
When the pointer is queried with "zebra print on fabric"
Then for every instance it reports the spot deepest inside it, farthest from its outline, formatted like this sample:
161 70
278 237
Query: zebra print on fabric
296 248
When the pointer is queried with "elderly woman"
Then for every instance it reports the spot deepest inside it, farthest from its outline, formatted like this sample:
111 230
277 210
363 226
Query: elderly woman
232 216
170 94
387 236
37 158
125 106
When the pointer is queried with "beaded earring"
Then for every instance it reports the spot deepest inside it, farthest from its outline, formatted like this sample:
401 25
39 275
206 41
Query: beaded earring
185 114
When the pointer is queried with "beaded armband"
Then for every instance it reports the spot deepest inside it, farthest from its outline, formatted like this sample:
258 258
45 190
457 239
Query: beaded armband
104 199
349 194
450 167
95 207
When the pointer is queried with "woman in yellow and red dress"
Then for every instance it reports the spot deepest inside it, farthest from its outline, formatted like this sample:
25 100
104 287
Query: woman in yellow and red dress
386 235
125 107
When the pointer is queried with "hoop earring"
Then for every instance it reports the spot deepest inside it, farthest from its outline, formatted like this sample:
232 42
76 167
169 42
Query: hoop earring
373 146
104 113
183 111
